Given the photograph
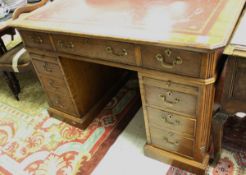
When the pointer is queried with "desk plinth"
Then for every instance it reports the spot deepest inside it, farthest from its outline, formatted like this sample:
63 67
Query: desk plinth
176 60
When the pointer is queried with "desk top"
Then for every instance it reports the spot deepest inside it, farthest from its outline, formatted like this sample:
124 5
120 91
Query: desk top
199 24
4 22
237 45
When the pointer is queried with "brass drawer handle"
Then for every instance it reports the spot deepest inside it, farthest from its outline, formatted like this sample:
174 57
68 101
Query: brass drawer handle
37 39
119 54
175 143
52 84
46 67
65 44
159 57
171 141
167 101
58 104
169 120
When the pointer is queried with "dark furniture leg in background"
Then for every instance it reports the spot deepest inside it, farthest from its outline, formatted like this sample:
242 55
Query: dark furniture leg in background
10 77
13 83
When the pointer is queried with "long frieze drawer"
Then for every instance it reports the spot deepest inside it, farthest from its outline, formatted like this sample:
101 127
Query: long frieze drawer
171 141
54 85
172 100
36 40
62 103
172 60
95 48
47 68
164 119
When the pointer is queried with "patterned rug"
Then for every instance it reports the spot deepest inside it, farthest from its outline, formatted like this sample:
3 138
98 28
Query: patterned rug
228 164
41 145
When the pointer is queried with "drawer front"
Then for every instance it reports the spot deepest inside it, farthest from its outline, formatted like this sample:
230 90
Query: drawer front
36 40
169 99
172 60
47 68
164 119
168 84
55 85
62 103
94 48
171 141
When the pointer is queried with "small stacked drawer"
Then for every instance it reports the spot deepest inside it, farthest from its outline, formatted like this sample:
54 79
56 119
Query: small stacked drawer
171 110
36 40
52 79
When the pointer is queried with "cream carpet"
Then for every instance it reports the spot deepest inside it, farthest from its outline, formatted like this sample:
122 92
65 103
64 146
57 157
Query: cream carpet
126 156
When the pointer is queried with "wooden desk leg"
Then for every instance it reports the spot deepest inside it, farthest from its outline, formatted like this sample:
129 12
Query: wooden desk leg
13 83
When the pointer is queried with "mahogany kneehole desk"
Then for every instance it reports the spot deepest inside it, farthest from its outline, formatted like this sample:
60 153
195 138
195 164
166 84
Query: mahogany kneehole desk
175 46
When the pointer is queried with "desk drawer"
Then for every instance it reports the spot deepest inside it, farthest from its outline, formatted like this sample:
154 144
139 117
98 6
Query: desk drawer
55 85
95 48
62 103
36 40
172 60
170 99
47 68
164 119
171 85
171 141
